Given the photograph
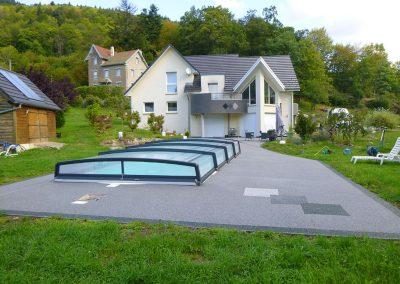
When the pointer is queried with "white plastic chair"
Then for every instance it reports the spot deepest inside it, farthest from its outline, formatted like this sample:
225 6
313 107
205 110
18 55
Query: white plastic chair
393 156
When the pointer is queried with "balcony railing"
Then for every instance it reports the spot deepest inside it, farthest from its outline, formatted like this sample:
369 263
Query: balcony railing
225 97
217 103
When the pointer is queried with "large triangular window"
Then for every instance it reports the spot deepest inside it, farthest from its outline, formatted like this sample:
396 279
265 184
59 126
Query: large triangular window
249 93
269 94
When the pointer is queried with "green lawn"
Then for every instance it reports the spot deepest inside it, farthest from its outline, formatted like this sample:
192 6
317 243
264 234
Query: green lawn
383 180
81 141
71 251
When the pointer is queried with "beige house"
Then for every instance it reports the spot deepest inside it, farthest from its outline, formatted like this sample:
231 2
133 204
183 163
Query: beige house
217 95
108 67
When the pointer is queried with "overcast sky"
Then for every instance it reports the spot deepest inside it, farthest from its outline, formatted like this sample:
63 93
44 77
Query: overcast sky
347 21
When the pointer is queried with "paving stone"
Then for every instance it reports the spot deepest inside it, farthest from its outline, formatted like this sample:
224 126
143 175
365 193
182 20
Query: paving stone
323 209
288 199
260 192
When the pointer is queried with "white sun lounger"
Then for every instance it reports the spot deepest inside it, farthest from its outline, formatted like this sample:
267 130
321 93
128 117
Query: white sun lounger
393 156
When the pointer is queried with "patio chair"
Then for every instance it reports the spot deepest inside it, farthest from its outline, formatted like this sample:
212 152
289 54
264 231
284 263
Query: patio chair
249 135
263 135
393 156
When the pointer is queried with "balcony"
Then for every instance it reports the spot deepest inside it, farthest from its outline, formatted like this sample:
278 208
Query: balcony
217 103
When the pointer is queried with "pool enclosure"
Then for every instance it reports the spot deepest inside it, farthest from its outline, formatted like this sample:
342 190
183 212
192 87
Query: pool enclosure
187 161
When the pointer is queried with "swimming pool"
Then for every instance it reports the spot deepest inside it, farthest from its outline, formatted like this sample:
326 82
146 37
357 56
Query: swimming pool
189 161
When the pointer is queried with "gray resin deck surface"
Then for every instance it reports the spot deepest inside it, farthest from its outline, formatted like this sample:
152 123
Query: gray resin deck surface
259 190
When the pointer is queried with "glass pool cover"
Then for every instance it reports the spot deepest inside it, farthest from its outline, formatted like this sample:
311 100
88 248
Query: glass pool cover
166 161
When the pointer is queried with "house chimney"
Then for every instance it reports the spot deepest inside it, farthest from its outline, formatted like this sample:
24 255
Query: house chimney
112 50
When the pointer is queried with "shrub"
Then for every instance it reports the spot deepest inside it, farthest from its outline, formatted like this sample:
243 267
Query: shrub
90 100
102 122
383 118
155 122
304 126
321 135
61 92
91 112
133 120
187 133
345 126
77 102
100 92
60 119
378 103
119 103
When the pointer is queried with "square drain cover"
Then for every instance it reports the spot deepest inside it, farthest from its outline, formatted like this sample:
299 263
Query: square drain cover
323 209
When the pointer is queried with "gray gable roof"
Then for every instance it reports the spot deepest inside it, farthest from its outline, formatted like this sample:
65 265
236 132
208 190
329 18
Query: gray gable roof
234 67
18 98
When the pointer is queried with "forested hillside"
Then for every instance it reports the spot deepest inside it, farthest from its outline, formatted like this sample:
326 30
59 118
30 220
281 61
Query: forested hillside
56 38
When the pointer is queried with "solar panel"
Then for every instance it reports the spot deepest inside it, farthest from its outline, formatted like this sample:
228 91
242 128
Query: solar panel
20 85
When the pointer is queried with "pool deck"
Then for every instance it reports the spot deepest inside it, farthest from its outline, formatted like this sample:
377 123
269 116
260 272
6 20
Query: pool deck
258 190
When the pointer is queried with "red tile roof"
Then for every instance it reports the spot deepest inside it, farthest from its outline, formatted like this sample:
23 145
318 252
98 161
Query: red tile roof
103 52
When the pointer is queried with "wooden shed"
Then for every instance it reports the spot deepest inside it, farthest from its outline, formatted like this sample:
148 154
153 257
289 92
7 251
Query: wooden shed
27 115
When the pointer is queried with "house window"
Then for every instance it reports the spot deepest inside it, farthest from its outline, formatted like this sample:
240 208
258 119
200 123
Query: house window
149 107
95 75
249 93
269 94
106 74
118 72
171 83
213 88
172 106
94 60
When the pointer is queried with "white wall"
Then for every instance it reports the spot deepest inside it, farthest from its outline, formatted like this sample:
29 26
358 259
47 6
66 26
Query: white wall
136 63
152 88
206 79
286 101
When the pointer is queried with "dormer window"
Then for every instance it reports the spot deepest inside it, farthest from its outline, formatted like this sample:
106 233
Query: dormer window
213 88
95 60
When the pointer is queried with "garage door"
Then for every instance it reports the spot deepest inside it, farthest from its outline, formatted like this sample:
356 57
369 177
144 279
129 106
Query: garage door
214 125
250 123
270 121
37 126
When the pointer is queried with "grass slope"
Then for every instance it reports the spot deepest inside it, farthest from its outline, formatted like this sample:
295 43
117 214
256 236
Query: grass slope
383 180
81 141
71 251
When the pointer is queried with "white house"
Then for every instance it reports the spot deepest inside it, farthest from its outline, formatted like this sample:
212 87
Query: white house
216 95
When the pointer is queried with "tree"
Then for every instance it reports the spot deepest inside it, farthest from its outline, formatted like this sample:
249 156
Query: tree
168 33
257 31
127 33
374 74
210 30
342 67
310 68
60 92
271 16
323 43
